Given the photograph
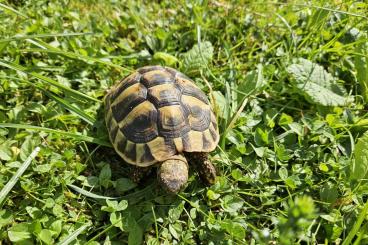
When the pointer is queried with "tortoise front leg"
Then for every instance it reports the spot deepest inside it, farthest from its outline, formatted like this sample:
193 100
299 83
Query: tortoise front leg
203 165
138 173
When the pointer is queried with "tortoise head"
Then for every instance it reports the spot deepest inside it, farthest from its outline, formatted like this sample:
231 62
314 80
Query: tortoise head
173 173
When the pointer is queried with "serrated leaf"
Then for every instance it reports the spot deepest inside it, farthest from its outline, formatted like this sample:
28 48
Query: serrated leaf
359 167
198 57
316 84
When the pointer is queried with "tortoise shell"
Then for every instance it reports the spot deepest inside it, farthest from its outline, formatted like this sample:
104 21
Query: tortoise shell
158 112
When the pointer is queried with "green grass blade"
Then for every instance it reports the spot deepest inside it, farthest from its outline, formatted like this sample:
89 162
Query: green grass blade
357 225
321 7
75 234
81 114
45 47
48 80
76 136
76 56
7 188
3 6
22 37
89 194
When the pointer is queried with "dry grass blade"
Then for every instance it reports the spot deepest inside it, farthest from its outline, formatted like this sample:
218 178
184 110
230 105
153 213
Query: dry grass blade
9 186
89 194
74 235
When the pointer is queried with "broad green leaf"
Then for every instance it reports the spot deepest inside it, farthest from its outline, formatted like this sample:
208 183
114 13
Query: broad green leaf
43 168
361 65
3 45
135 236
19 232
46 236
261 137
175 212
198 57
56 227
34 212
212 195
252 83
124 184
168 59
116 220
173 231
329 192
6 218
234 229
5 151
316 84
114 206
285 119
105 176
232 203
27 147
283 173
221 104
359 166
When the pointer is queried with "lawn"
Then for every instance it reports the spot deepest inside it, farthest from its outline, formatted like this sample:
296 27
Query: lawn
288 81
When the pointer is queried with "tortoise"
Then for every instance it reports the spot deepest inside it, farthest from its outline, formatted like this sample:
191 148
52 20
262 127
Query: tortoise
157 116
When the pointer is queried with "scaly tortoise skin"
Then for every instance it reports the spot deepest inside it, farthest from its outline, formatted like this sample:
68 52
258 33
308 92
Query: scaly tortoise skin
157 115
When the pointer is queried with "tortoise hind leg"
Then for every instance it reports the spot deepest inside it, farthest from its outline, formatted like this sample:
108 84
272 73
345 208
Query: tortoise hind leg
203 165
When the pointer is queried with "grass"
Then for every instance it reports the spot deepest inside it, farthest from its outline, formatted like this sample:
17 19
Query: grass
288 82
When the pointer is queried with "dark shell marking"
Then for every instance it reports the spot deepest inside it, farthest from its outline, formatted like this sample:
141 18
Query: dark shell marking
157 112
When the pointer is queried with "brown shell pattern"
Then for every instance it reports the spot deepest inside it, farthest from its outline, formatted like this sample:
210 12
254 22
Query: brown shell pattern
157 112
